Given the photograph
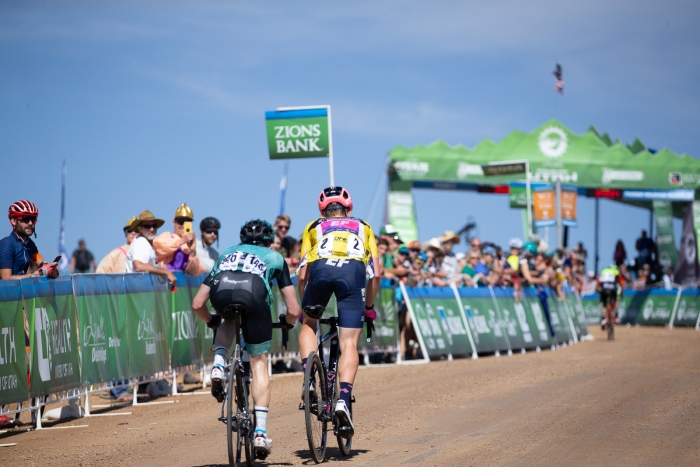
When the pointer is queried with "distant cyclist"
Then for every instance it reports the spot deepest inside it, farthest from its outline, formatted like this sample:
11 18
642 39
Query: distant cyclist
242 276
609 287
338 251
19 256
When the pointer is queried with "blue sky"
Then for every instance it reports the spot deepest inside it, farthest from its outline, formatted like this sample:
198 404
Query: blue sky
156 103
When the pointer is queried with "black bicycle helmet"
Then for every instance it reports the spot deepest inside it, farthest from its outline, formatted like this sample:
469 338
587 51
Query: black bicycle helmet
209 223
257 232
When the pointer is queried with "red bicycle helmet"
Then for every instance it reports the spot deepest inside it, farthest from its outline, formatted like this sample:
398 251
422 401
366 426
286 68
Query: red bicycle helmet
23 208
334 194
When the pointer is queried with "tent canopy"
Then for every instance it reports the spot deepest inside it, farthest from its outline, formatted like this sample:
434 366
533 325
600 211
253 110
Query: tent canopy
587 160
590 161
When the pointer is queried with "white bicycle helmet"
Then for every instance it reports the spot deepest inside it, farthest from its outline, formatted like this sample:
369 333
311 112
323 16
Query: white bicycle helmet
515 242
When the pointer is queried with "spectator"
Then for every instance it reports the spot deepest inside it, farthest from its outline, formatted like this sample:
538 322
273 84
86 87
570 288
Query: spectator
282 225
645 247
141 256
82 259
115 261
391 269
620 254
469 270
450 264
209 228
177 251
433 254
475 245
668 278
581 252
415 249
276 243
461 260
19 256
643 280
485 265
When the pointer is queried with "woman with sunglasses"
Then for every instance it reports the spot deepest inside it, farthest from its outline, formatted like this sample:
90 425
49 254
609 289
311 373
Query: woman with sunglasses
19 256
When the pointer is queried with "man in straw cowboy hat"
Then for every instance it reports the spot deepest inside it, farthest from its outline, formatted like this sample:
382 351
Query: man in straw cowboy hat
141 256
450 264
115 261
177 251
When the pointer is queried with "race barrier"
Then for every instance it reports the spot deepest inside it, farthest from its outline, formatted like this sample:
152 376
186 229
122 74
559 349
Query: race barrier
467 321
659 307
63 338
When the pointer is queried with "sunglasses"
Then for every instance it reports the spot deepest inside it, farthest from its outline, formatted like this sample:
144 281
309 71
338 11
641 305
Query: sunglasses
150 226
27 219
283 227
182 220
210 231
129 232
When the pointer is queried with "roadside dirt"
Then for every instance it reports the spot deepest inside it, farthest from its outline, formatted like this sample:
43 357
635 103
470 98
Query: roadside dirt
634 401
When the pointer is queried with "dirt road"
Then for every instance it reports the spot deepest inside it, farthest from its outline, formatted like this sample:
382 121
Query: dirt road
634 401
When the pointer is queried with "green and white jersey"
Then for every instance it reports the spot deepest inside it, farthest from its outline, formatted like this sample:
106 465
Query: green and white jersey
258 260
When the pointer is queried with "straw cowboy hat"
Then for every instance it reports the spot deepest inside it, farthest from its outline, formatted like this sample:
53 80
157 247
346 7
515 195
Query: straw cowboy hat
144 217
432 243
449 235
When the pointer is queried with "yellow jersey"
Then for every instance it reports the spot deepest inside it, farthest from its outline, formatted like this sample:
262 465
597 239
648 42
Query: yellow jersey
338 238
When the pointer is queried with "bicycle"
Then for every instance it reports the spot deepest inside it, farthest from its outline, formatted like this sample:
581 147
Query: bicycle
238 417
610 321
320 391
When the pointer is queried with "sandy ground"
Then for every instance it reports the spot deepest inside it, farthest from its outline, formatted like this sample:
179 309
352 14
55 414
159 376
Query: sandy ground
634 401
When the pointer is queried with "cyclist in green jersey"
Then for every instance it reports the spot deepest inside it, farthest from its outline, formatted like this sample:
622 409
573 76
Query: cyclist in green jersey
242 276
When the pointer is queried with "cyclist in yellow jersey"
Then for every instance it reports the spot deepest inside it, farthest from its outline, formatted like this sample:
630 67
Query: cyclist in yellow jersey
338 253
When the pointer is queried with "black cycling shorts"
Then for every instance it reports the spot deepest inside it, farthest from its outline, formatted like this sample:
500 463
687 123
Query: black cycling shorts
248 290
346 278
608 296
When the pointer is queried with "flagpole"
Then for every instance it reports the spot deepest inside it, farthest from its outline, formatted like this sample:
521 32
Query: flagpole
283 188
63 264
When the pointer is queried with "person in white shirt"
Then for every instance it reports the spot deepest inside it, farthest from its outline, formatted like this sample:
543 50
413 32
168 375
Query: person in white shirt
210 231
450 264
141 256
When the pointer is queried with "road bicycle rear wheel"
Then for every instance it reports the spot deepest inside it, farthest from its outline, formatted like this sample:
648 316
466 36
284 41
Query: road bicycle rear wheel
245 420
316 407
230 418
345 444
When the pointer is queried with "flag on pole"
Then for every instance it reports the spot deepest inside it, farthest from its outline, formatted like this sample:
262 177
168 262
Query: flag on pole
283 189
63 264
559 75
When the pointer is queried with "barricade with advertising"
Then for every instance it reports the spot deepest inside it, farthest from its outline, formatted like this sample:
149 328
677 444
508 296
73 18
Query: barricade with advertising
13 356
448 321
676 307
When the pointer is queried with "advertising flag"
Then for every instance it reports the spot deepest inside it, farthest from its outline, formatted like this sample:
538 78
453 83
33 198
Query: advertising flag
544 203
665 239
569 194
687 268
63 264
299 133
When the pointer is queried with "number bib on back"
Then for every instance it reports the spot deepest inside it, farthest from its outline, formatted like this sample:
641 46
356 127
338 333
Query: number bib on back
340 238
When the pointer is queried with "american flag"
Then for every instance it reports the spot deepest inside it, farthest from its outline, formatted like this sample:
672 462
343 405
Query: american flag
559 83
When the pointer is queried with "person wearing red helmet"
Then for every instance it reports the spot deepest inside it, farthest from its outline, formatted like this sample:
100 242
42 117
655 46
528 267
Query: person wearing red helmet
338 252
19 256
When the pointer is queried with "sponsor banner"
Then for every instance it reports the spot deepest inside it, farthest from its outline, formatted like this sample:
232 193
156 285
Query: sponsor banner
665 238
488 328
185 347
13 355
518 195
575 305
386 326
439 321
401 210
657 307
687 309
664 195
686 272
592 308
569 195
102 319
148 315
514 320
560 319
544 206
53 335
298 133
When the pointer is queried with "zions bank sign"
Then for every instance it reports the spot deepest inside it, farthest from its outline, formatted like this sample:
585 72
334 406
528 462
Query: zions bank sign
297 133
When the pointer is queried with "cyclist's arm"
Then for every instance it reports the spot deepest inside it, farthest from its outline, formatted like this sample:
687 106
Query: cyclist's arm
289 295
373 283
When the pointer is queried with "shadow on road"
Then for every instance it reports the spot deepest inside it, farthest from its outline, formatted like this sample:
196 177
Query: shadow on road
331 454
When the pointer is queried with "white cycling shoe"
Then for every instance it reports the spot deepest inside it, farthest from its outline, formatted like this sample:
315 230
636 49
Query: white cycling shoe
217 383
345 427
262 444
